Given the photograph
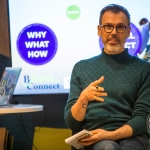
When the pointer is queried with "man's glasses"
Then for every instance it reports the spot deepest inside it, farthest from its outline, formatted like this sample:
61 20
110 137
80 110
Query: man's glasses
110 28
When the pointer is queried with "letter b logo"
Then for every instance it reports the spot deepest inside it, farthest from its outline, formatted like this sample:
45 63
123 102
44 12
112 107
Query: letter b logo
26 79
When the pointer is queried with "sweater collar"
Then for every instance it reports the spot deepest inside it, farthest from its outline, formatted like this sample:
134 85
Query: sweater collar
121 57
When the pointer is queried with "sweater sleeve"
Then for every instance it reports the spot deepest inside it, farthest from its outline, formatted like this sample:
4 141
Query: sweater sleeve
75 90
141 107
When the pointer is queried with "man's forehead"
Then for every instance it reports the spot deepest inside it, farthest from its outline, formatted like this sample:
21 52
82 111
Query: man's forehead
110 16
114 13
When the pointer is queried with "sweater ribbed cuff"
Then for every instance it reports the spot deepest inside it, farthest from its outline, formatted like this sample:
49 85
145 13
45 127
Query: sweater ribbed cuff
138 124
72 123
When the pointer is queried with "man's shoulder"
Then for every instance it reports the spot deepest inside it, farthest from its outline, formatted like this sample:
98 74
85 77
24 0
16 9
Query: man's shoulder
89 60
86 63
140 63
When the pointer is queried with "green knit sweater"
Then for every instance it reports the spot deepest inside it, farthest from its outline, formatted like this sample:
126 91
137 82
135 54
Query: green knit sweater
127 83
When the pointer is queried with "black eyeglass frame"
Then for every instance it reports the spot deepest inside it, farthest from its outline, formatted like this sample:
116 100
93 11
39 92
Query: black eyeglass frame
125 27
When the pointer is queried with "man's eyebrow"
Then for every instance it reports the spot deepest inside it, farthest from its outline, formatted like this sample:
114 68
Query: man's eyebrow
121 24
115 25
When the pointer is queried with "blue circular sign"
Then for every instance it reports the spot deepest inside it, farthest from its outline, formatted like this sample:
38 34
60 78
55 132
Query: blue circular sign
133 43
37 44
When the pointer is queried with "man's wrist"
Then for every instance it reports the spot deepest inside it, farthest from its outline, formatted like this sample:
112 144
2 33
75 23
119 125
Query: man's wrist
83 102
123 132
84 105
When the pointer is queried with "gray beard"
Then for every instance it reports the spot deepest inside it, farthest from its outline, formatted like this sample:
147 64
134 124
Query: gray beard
115 48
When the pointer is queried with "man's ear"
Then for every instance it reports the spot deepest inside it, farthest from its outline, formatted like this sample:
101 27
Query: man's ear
99 30
129 30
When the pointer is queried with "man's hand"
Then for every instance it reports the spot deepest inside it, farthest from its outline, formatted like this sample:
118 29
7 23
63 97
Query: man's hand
98 135
93 91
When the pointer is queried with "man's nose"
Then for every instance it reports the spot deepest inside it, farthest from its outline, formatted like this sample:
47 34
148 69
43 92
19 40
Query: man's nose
114 31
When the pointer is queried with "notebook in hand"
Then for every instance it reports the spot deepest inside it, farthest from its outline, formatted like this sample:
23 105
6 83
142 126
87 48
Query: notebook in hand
73 140
7 85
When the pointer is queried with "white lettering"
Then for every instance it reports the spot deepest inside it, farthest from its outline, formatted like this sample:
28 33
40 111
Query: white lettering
29 44
37 54
37 44
30 54
133 44
37 34
31 35
43 34
43 53
46 43
131 36
73 12
130 45
40 34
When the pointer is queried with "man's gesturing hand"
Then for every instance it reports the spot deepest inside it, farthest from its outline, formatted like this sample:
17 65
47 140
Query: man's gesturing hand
93 91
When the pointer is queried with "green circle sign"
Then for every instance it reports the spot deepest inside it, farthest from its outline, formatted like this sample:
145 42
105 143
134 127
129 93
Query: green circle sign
73 12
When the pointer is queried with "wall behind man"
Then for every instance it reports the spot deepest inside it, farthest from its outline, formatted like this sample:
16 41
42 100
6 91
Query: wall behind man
4 32
51 116
4 36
